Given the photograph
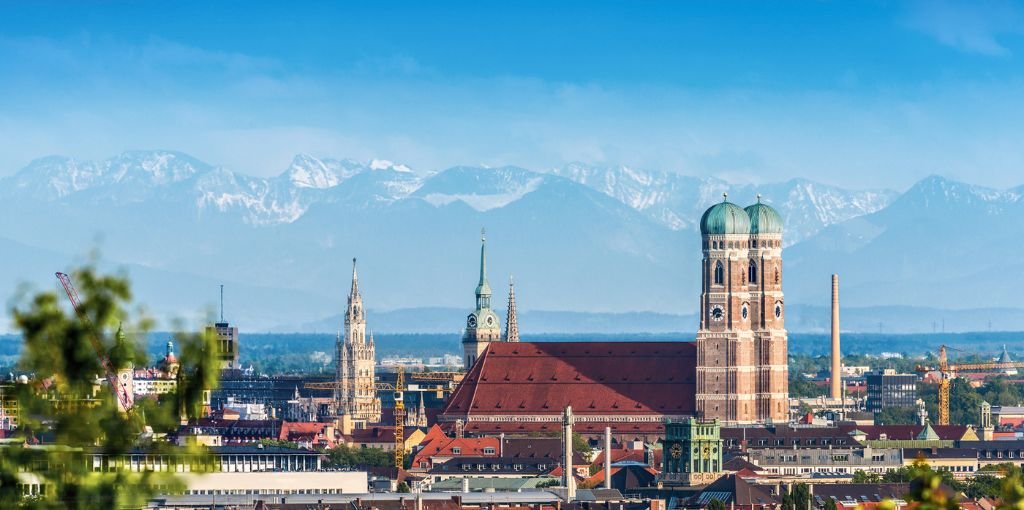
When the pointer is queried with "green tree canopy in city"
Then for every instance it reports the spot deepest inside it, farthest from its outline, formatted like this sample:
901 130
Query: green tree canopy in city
67 412
897 416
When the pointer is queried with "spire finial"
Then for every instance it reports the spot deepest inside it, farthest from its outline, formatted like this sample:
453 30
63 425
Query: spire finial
483 257
355 280
725 196
759 198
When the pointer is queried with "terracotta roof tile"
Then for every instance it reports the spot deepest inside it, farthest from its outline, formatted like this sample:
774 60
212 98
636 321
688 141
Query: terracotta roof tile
593 377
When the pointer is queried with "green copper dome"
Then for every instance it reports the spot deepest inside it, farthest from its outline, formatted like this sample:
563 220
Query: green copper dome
764 219
724 218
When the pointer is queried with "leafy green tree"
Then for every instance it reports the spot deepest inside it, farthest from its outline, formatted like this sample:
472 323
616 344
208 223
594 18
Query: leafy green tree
715 504
929 489
403 488
348 457
800 387
830 504
799 498
65 407
861 476
897 416
984 486
581 445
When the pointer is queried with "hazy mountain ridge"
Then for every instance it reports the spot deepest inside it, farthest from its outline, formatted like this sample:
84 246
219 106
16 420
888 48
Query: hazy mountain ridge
579 238
677 201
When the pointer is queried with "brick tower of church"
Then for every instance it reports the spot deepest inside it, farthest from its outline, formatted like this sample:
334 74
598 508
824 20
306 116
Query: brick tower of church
741 344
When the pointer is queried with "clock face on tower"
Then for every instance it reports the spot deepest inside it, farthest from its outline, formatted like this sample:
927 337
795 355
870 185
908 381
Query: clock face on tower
490 320
677 451
471 322
717 313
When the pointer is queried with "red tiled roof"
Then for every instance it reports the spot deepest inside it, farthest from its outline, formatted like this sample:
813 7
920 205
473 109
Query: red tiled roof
620 378
625 454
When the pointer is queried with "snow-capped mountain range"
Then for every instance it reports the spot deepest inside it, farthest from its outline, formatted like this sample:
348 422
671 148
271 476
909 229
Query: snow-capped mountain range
580 237
671 199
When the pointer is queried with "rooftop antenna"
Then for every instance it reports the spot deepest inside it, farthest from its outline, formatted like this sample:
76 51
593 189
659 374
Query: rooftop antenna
222 303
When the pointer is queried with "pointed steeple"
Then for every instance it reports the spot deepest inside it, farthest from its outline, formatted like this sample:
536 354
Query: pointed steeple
421 413
483 289
355 280
511 322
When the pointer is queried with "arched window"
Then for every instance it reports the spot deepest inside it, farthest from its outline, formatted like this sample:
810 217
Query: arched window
752 274
719 273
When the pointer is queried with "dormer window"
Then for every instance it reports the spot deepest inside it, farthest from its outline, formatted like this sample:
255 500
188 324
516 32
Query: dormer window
456 451
488 451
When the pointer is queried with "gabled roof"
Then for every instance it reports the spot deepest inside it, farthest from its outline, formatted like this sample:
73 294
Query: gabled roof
739 464
626 477
734 489
592 377
861 491
928 434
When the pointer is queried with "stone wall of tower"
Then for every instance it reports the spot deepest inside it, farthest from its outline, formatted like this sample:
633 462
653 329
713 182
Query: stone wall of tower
770 333
726 364
365 402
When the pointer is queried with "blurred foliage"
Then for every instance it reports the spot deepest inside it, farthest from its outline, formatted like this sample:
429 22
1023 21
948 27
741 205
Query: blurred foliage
67 412
344 456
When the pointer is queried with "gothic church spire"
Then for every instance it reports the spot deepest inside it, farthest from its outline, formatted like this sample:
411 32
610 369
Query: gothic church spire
483 289
511 322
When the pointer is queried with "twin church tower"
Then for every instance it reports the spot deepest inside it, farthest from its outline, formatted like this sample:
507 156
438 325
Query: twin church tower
742 356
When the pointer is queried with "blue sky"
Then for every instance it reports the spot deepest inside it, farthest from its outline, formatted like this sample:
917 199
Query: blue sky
861 94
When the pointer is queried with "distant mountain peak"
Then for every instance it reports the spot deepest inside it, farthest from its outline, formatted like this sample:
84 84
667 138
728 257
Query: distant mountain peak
383 164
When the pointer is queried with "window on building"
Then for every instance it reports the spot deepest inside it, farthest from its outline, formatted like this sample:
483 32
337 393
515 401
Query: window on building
456 451
719 273
752 273
488 451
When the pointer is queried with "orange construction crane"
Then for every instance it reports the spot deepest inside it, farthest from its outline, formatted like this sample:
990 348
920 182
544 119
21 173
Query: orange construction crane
124 399
400 419
948 372
399 390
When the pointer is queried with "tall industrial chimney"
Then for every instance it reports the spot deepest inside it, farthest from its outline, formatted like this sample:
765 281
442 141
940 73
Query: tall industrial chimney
607 457
567 479
837 368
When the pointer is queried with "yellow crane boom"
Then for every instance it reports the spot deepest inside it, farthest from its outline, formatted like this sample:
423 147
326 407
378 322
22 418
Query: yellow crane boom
947 372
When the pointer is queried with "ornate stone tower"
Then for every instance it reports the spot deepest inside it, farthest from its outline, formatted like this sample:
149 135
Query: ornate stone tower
741 344
482 325
355 373
692 452
511 322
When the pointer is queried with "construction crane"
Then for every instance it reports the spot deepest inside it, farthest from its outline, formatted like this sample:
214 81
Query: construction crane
400 419
124 399
399 389
947 372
